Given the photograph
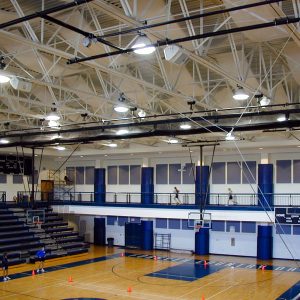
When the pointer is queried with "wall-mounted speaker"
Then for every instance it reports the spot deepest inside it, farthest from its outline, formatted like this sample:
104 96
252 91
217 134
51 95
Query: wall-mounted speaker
20 85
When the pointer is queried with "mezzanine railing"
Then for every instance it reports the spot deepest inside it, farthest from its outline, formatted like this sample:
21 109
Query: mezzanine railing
215 199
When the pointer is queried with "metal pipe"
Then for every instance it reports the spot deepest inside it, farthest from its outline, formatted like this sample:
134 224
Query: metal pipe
153 123
221 129
207 14
276 22
43 12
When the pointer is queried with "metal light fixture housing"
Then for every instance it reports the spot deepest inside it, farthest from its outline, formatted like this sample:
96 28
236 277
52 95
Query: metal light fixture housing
240 94
230 136
185 126
143 45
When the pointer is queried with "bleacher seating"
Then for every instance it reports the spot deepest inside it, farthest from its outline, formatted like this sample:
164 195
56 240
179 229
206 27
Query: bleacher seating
21 240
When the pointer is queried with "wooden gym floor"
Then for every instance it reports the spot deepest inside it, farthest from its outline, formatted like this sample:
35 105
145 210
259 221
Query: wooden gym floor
104 273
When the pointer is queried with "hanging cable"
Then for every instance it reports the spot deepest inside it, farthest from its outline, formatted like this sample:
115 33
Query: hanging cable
20 168
38 175
66 159
208 179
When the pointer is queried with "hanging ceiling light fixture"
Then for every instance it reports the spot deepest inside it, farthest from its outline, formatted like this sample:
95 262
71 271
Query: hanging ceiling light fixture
281 118
230 136
3 76
112 145
121 107
60 148
185 126
173 141
53 115
143 45
122 131
4 141
264 101
54 124
141 113
240 94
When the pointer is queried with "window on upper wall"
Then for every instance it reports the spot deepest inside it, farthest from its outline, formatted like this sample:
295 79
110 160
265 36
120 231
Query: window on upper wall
36 177
175 174
79 171
89 175
218 173
283 171
249 172
3 178
70 172
233 173
296 171
123 174
17 179
161 174
135 174
188 174
112 174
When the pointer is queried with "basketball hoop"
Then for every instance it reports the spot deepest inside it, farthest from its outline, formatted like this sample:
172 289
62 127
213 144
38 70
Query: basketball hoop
38 224
198 226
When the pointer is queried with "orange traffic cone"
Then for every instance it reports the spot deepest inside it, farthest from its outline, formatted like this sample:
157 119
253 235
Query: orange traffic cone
202 298
33 273
129 289
70 279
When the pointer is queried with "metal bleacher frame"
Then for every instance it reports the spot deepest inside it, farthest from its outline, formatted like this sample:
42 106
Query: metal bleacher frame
162 241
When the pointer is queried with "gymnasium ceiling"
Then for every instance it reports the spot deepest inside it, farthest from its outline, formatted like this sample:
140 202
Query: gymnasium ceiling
198 90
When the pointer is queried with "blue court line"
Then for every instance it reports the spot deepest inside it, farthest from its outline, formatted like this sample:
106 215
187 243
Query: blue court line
291 293
65 266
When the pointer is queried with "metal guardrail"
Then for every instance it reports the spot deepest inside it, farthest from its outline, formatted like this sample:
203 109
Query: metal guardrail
216 199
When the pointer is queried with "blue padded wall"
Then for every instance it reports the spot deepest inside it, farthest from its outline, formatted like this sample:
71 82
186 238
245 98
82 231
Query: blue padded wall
99 185
147 186
264 242
202 241
265 185
147 235
202 184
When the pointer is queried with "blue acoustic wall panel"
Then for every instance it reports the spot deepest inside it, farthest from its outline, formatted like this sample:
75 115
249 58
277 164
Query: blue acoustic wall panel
123 174
79 175
265 185
233 173
264 242
99 185
296 230
135 174
112 175
175 174
249 172
174 224
218 226
70 172
235 224
185 225
111 220
3 178
296 171
218 173
147 186
249 227
283 229
188 174
161 174
89 175
161 223
17 179
283 171
122 221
